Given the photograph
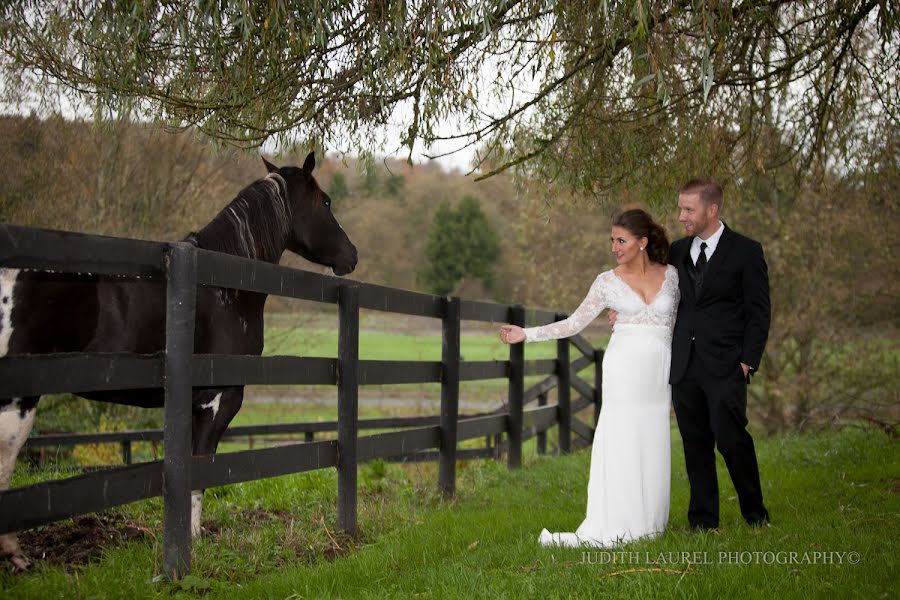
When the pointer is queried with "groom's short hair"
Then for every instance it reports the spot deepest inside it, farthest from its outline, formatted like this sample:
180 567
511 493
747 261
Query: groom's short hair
708 190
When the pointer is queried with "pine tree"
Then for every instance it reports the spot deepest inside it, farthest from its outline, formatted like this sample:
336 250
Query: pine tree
461 243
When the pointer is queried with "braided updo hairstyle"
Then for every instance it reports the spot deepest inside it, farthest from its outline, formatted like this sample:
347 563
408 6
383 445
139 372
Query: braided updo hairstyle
640 224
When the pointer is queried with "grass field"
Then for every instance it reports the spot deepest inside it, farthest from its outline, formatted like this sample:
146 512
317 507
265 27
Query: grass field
834 499
395 337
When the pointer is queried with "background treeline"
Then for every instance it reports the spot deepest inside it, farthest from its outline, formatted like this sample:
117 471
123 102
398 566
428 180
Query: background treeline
131 181
831 245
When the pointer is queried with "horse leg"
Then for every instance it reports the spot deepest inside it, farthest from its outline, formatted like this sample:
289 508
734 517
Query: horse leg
213 411
16 420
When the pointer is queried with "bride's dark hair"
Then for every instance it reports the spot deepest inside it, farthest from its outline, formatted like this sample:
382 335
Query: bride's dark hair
640 224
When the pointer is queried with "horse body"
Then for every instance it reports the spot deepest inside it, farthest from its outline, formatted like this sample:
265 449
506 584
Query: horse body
55 312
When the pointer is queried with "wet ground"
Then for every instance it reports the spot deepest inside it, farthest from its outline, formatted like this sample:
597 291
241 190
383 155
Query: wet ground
79 541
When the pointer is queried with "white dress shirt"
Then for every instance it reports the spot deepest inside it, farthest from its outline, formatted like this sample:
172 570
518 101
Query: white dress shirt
711 244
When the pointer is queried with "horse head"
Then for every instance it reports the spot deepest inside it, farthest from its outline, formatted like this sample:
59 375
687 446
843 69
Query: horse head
314 233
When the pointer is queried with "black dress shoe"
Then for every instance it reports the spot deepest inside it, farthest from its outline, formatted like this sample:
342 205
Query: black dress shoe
704 527
760 519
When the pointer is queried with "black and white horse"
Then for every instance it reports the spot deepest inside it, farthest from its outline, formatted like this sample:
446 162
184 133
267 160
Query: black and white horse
51 312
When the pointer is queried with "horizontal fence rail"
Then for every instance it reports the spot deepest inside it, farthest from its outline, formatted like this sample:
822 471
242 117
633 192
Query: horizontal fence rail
67 252
34 375
238 431
177 370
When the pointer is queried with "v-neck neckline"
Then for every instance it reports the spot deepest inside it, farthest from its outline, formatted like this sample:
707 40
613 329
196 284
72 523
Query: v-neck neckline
636 293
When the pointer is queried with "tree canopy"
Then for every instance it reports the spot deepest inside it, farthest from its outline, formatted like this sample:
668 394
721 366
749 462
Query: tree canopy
585 93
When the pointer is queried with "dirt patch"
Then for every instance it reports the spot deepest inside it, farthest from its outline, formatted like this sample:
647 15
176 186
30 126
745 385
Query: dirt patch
78 542
247 516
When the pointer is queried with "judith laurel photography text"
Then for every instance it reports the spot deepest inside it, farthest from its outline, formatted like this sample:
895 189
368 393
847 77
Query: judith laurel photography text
758 557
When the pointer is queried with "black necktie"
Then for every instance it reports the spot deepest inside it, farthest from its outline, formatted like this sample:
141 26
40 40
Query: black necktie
701 265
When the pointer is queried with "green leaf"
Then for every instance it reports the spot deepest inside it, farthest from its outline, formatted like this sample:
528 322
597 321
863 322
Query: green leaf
192 583
644 80
707 74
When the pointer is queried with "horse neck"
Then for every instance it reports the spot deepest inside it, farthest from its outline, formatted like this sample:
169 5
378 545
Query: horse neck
254 225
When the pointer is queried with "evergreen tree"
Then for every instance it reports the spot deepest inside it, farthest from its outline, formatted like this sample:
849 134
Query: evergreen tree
394 184
338 188
461 243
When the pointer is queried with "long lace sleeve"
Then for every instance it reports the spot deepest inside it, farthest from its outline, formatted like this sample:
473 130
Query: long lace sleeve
590 307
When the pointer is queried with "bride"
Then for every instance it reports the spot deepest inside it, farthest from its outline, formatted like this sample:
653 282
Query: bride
628 489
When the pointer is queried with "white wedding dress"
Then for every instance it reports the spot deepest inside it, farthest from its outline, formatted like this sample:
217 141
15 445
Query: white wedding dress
628 489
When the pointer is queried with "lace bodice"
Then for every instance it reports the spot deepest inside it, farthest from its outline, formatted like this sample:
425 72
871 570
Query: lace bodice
610 291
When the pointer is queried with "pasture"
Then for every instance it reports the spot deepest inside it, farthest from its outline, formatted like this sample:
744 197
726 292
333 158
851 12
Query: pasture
834 492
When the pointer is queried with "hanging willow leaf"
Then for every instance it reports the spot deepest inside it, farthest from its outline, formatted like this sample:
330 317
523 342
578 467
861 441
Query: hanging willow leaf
553 82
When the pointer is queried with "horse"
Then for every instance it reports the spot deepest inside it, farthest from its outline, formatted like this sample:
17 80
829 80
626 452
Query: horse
42 312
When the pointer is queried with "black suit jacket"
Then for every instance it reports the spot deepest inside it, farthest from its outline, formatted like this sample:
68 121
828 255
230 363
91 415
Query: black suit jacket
729 321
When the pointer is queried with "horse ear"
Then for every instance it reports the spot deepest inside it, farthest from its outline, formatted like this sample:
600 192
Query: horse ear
310 163
269 166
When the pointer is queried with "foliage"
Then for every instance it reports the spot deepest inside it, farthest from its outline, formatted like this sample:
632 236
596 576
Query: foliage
393 185
68 413
370 178
101 454
578 92
124 179
832 256
461 243
338 189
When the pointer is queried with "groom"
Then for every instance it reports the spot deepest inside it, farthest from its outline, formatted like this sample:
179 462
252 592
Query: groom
720 333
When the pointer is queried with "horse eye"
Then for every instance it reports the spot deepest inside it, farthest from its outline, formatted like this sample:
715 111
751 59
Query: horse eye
328 203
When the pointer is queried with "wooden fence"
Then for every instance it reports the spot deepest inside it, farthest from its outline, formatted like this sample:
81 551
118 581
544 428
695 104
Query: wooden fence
178 369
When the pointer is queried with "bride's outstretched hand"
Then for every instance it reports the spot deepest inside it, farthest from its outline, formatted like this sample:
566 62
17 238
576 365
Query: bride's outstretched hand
511 334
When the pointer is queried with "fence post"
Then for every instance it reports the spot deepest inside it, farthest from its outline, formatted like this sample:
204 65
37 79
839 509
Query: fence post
598 383
562 390
348 415
181 294
516 391
126 452
449 396
542 435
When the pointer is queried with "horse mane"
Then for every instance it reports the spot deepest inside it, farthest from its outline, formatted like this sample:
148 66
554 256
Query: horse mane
256 224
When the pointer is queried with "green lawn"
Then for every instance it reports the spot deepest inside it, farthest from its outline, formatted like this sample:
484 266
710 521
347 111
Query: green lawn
312 339
833 498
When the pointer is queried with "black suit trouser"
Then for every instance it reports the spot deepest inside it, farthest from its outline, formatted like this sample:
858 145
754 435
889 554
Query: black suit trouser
712 412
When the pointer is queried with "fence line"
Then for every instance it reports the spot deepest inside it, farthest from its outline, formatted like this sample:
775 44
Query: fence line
178 369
